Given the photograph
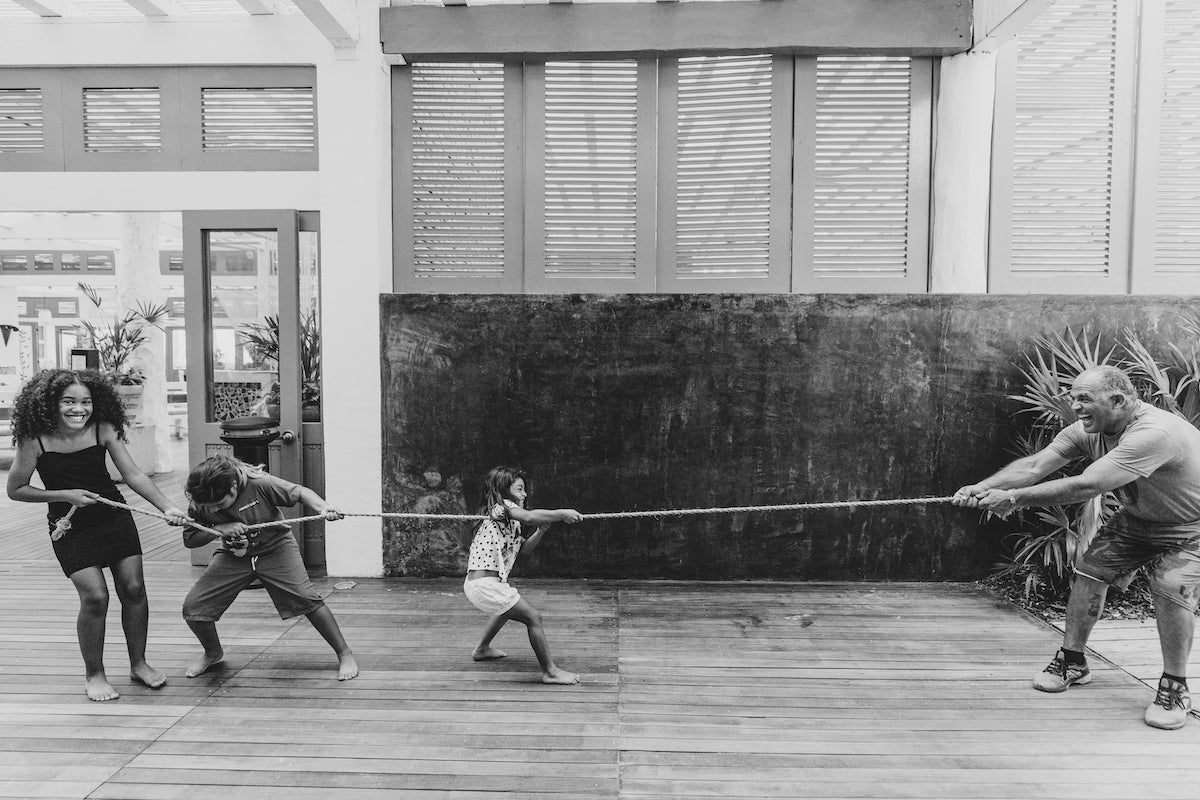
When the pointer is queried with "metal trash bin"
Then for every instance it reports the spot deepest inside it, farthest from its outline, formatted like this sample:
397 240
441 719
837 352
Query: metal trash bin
250 437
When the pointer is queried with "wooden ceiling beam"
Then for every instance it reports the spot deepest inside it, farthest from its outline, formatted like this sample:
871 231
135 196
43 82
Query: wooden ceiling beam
154 8
260 8
803 27
336 19
46 8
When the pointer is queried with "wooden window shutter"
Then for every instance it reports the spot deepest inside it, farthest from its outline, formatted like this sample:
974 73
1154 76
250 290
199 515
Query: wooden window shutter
236 118
22 124
1062 165
121 120
724 175
454 204
1166 250
862 174
589 171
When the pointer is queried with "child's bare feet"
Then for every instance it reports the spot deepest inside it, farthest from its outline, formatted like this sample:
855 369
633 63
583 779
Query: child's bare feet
147 676
205 663
485 653
99 689
560 676
347 667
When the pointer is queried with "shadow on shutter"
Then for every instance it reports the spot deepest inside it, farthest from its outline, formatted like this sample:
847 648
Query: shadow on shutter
241 119
458 183
121 120
21 122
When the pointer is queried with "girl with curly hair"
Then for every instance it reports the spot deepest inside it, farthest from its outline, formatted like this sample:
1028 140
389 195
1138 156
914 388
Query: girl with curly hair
64 424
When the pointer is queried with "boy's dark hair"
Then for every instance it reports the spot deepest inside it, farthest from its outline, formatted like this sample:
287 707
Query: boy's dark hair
212 478
35 411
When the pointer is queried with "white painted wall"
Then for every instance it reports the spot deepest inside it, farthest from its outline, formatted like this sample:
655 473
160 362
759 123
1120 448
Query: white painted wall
962 173
351 190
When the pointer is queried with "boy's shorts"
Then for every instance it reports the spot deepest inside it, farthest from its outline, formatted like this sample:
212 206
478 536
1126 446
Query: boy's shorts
1171 554
490 595
282 574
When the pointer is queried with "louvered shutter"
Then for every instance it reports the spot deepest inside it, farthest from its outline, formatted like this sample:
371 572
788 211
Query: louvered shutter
453 230
862 174
22 126
724 172
121 120
585 226
241 119
1168 162
589 145
1062 169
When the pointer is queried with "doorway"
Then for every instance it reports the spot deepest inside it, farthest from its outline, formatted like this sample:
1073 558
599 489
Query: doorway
251 279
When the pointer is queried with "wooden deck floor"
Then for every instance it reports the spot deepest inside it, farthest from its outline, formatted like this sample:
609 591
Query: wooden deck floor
690 691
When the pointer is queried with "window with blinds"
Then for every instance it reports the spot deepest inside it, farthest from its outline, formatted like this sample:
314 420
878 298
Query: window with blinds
1177 221
862 163
22 127
121 120
249 119
1060 211
662 175
458 171
590 176
723 167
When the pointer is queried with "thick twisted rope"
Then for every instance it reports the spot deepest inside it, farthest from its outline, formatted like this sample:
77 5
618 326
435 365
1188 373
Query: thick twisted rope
677 512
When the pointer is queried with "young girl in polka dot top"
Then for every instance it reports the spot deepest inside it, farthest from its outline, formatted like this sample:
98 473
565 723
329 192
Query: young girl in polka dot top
494 548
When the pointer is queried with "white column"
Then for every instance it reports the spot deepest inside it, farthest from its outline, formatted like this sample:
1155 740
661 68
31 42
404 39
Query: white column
139 280
962 173
355 178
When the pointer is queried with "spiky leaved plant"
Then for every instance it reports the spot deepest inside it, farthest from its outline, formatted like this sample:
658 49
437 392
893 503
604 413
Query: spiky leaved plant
1050 540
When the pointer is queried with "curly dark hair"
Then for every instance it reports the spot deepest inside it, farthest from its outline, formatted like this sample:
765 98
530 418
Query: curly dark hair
35 411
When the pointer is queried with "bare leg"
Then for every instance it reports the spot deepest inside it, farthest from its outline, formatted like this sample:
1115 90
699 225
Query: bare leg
1083 610
135 619
89 627
532 619
484 650
1176 626
323 620
213 654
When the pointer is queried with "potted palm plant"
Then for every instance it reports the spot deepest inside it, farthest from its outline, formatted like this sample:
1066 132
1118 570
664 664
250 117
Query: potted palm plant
263 340
117 339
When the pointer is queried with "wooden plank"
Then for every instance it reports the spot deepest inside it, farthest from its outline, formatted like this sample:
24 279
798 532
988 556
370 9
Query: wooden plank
690 690
650 30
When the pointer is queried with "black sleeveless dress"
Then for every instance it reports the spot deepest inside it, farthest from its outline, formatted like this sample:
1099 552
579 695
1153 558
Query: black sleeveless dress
100 535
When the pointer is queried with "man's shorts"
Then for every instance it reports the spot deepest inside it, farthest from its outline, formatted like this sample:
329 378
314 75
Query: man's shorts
490 595
282 574
1171 554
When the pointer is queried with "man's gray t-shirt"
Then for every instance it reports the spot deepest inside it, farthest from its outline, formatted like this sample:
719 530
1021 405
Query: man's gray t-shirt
1160 449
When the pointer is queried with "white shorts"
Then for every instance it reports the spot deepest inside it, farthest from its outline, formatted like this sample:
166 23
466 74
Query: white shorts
490 595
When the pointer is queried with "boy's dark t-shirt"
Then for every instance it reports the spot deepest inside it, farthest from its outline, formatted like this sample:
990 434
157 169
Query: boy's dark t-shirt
258 501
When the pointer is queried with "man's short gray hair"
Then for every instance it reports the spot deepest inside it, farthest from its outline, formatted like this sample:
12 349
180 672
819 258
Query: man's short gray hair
1113 380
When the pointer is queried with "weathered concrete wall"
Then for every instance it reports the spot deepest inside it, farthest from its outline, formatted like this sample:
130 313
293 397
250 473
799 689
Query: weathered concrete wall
635 402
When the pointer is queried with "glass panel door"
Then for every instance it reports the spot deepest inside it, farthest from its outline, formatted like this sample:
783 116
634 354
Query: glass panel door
258 349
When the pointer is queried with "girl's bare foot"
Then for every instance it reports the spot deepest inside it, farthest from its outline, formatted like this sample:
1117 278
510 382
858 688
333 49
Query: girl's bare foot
560 677
147 676
347 667
205 663
99 689
485 653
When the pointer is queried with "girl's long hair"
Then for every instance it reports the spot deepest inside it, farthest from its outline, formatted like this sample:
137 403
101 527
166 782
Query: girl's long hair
212 478
35 412
496 487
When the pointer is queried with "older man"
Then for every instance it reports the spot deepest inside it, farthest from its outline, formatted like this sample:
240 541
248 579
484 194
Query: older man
1151 459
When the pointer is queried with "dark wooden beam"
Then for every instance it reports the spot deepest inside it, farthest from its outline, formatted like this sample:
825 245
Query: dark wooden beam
806 27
